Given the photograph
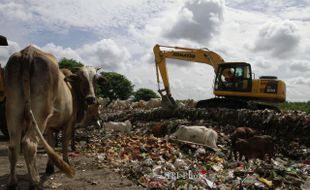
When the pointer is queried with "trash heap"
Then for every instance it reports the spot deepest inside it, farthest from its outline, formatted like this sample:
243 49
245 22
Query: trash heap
156 163
289 128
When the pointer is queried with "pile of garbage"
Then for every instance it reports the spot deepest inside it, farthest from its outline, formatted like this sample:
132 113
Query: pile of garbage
157 163
147 156
289 128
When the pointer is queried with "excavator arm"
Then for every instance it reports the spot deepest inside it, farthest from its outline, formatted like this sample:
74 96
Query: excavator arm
180 53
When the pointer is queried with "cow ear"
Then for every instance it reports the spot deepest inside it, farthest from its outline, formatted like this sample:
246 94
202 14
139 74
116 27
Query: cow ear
102 80
71 78
98 68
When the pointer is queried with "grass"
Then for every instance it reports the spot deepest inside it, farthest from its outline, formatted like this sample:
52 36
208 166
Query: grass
300 106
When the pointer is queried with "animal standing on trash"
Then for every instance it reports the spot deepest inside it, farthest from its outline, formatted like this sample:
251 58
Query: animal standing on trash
121 127
239 133
255 147
197 134
40 98
90 116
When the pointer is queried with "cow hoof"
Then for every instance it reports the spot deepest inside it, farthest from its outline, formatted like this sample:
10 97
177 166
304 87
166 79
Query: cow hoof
35 187
49 169
12 187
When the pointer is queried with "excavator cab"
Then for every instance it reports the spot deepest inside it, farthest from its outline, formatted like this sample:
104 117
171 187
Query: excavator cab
233 76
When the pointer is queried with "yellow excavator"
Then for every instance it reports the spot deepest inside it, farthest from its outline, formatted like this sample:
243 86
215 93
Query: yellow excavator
234 85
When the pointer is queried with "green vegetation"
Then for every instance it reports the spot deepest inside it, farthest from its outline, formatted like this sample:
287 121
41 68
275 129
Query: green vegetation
70 64
300 106
144 94
116 87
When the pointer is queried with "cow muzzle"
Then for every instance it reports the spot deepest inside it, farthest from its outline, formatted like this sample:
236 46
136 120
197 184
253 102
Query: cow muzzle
90 100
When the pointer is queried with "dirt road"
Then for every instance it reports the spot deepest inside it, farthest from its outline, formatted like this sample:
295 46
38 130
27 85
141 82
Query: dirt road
88 176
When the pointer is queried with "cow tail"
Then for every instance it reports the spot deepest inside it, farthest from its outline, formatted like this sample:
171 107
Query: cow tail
58 161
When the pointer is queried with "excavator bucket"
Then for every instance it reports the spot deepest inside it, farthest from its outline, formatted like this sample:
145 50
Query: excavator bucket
3 41
167 102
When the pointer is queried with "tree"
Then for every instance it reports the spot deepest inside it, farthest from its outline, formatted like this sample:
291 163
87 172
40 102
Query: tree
144 94
117 86
70 64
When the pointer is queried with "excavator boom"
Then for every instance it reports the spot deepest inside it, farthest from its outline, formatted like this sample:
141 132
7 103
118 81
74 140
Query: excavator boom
180 53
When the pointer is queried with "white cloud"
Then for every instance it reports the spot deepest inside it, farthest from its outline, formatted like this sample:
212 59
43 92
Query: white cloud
197 20
106 54
300 66
60 52
279 38
7 51
120 35
15 11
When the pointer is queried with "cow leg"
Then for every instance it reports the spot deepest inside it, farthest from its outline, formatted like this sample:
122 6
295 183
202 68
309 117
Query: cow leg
30 141
73 139
14 123
236 157
30 151
13 152
67 134
50 169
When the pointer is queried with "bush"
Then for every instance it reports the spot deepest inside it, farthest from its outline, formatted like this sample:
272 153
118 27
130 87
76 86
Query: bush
144 94
70 64
116 87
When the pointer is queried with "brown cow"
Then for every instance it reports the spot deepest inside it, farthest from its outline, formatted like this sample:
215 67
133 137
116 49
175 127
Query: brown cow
39 99
255 147
90 116
239 133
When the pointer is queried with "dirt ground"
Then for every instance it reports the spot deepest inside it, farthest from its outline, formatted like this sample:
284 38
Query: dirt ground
88 176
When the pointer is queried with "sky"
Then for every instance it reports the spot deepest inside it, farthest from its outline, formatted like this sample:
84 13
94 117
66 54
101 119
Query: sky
273 36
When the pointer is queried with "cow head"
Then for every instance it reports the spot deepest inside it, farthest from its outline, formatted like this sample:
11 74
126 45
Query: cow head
84 82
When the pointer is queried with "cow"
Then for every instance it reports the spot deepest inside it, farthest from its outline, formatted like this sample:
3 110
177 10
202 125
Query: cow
239 133
40 98
255 147
91 116
197 134
121 127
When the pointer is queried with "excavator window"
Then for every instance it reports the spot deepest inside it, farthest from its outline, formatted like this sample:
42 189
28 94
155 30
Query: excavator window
233 77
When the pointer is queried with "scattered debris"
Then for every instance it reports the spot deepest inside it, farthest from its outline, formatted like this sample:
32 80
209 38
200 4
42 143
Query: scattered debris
148 157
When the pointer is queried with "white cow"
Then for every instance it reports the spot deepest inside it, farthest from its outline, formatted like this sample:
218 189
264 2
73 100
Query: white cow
197 134
122 127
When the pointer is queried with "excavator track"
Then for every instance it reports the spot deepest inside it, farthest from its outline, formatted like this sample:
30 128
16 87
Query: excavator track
232 103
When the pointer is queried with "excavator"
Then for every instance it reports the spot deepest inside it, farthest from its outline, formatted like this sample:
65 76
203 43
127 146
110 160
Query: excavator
234 84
